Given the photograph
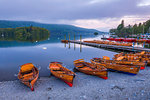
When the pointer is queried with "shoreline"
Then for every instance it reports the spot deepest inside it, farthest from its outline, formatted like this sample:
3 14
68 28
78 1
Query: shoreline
86 87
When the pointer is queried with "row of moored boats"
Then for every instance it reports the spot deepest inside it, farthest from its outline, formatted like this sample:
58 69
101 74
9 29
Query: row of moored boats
109 43
129 40
130 63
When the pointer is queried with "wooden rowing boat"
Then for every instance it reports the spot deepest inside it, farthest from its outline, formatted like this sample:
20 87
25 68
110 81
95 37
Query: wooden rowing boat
134 63
133 70
91 69
142 58
133 55
62 73
124 62
28 75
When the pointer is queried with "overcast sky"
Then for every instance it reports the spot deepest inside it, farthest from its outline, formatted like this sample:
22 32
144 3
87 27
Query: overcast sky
97 14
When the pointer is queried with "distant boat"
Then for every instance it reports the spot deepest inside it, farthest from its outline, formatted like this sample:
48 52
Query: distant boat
64 41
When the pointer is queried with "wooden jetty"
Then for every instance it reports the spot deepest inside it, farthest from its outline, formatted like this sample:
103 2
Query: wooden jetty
114 47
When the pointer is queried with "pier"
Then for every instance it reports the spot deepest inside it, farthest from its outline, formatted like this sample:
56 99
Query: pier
114 47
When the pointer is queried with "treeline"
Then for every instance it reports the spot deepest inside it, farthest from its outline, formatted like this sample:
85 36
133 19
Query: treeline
24 34
121 30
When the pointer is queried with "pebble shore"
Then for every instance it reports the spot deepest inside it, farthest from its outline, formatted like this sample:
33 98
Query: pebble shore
118 86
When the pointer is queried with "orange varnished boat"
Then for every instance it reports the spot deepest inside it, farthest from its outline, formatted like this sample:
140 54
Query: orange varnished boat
64 41
124 62
133 56
142 58
134 63
28 75
91 69
133 70
118 55
62 73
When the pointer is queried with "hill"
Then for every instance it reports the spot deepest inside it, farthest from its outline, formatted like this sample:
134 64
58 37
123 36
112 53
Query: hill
55 29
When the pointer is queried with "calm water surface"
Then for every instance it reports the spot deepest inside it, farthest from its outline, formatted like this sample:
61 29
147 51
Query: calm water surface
13 54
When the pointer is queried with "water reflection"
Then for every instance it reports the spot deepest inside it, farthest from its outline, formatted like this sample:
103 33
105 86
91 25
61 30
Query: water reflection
80 48
52 39
69 45
74 46
41 54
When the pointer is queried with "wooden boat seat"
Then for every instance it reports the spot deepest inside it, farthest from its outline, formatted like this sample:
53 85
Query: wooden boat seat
91 66
61 72
55 67
78 61
27 72
80 65
97 60
56 70
26 67
106 58
120 58
86 68
83 65
28 75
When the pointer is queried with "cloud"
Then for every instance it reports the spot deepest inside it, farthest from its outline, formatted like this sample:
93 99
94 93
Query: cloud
108 23
144 3
76 12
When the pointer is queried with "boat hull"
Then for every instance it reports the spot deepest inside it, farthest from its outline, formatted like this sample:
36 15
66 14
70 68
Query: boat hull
68 79
142 65
101 74
91 69
29 83
62 73
121 68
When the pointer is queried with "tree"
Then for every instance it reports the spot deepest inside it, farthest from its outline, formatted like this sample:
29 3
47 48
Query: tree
95 33
135 28
121 30
121 26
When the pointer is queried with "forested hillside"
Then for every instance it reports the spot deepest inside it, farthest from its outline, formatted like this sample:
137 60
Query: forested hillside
24 34
122 30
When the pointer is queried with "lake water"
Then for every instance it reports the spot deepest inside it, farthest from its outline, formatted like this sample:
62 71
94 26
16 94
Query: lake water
13 54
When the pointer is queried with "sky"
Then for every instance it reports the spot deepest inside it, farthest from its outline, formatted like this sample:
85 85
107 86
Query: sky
94 14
